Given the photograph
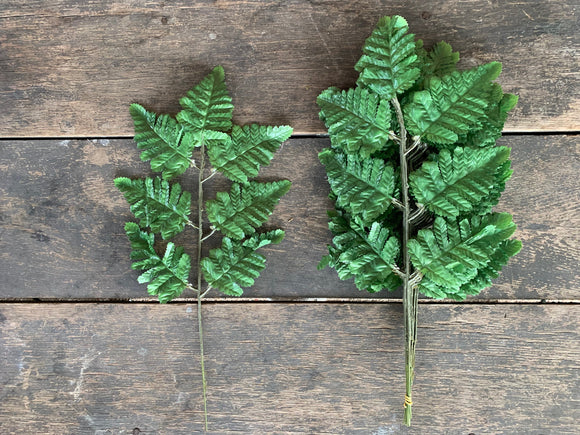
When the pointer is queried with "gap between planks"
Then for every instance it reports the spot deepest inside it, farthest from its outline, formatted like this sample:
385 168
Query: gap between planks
295 135
281 300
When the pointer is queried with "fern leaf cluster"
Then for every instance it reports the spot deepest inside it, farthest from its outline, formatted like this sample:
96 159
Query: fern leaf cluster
415 172
162 206
453 119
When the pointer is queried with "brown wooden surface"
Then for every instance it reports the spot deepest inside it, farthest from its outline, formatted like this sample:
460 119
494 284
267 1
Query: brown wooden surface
501 363
62 221
71 67
287 368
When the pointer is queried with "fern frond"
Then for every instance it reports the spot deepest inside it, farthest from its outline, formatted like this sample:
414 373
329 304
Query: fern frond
451 253
462 181
440 61
482 279
389 63
163 141
208 106
238 213
452 105
251 146
368 256
357 119
365 186
492 125
158 205
167 276
236 264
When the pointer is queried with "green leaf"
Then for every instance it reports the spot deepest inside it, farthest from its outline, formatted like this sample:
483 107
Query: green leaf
365 186
483 278
208 105
452 253
389 63
236 264
440 61
163 141
369 257
167 276
464 181
245 207
251 146
357 119
158 205
492 125
452 105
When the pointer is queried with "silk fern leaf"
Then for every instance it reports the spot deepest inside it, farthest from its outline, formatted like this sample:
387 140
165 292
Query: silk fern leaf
440 61
366 253
204 130
208 106
452 105
162 207
168 275
163 141
250 147
389 64
236 265
357 119
246 207
451 253
461 181
421 217
365 186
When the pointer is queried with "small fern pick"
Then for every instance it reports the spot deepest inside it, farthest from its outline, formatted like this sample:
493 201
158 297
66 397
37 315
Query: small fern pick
415 172
163 207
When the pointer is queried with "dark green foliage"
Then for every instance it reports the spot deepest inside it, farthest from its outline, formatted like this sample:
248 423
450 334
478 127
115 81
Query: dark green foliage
439 62
462 181
365 187
452 252
250 147
452 105
357 119
453 119
168 275
236 265
246 207
389 63
203 124
163 141
366 255
207 106
163 208
421 217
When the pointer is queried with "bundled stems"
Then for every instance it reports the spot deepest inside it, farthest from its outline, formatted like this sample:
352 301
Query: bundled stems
200 240
410 284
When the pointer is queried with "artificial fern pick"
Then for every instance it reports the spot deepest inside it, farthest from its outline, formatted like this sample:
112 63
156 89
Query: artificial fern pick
414 172
163 207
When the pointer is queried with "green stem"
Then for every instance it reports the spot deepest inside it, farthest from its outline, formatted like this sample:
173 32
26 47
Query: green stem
199 295
204 385
410 293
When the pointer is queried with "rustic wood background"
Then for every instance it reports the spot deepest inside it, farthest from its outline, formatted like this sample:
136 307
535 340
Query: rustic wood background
84 350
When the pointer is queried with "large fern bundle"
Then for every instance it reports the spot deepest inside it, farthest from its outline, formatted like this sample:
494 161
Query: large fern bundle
415 172
161 206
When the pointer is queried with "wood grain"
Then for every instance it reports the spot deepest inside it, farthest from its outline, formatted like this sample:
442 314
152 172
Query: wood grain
71 67
62 221
287 368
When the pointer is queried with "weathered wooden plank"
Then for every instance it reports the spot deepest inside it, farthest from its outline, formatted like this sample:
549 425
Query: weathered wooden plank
71 67
62 221
286 368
